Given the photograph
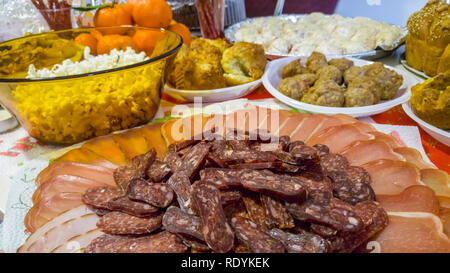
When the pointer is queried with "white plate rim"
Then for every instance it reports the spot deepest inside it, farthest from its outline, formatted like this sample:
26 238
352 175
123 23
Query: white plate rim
352 111
211 91
425 125
412 69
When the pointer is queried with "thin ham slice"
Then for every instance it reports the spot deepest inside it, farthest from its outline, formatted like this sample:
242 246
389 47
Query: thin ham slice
416 198
290 124
439 181
412 232
89 171
392 177
65 183
50 207
85 156
78 243
339 137
362 152
330 121
308 126
152 132
388 139
413 156
65 227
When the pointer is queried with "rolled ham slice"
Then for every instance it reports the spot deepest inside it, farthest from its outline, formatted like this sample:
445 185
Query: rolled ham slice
63 228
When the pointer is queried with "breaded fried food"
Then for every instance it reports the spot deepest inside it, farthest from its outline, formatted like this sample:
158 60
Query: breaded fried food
431 100
294 68
330 72
294 87
341 63
316 61
388 79
220 43
369 84
243 62
357 96
325 93
202 68
177 68
353 73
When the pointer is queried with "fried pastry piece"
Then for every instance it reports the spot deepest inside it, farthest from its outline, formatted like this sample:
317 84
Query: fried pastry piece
330 72
294 68
388 79
316 61
325 93
221 44
342 63
243 62
177 68
203 69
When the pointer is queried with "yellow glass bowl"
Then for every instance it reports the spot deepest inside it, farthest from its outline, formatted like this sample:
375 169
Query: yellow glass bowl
70 109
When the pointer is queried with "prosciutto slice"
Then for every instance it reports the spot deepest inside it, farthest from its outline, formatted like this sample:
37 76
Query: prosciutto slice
339 137
85 156
308 126
63 229
106 147
410 232
392 177
49 207
132 143
88 171
416 198
362 152
413 156
65 183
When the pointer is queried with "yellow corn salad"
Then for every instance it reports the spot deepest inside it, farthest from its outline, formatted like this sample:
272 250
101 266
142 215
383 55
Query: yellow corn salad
72 110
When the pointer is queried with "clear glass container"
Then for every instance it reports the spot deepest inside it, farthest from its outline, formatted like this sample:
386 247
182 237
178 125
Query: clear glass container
74 108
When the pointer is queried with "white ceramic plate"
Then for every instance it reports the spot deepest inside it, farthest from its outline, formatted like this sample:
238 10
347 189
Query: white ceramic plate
215 95
271 79
439 134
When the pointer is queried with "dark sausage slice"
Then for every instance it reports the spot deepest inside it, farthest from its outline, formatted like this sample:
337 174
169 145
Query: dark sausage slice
163 242
255 209
135 208
156 194
158 171
177 221
228 197
181 185
257 240
121 223
172 160
300 243
136 169
276 213
222 178
217 232
99 197
194 159
334 213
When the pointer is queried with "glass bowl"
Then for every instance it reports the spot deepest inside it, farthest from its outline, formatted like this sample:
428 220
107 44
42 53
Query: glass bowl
70 109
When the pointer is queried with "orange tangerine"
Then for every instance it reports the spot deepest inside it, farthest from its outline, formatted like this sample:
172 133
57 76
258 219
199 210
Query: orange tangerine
87 39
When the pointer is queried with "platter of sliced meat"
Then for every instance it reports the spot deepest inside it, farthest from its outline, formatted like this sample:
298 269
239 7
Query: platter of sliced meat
255 180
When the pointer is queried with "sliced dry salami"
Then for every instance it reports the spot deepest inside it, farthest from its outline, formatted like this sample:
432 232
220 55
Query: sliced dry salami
334 163
276 213
181 185
300 243
324 231
163 242
335 213
222 178
177 221
322 149
230 196
121 223
136 169
217 232
255 209
158 171
194 159
156 194
125 205
257 240
178 146
358 175
351 192
172 160
100 196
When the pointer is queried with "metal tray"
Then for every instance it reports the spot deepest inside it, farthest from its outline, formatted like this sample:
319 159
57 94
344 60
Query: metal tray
411 69
377 53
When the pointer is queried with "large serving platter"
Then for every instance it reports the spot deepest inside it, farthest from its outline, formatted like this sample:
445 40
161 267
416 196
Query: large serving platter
442 136
377 53
271 79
